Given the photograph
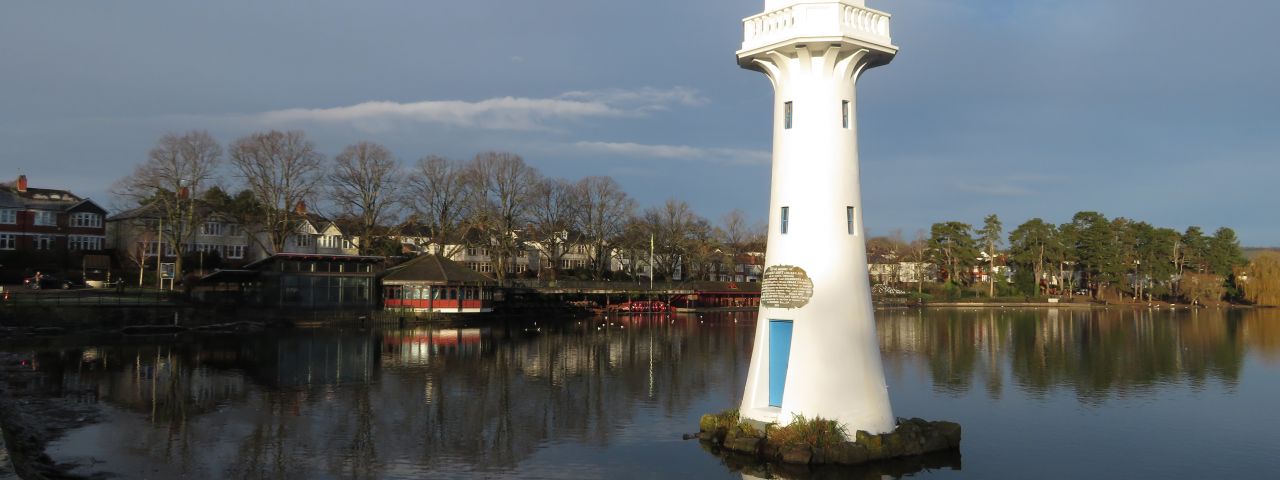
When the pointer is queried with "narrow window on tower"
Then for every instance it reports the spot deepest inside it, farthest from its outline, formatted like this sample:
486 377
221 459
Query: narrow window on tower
786 216
848 213
787 116
844 109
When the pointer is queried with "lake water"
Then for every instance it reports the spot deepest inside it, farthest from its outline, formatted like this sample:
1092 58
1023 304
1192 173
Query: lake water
1040 394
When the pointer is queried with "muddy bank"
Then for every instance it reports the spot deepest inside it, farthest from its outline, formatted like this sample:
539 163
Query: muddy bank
32 414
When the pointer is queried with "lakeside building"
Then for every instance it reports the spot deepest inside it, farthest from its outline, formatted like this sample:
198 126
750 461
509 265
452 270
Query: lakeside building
744 268
571 252
46 228
902 272
301 281
135 236
431 284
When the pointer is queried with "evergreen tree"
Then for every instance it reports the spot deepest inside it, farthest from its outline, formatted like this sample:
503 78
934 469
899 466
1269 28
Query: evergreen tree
952 246
989 240
1032 246
1097 250
1224 253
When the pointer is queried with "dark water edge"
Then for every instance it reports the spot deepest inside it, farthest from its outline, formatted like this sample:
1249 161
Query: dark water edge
1045 393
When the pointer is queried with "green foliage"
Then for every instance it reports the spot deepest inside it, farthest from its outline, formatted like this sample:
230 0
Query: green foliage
1096 249
1032 247
812 432
1024 281
952 247
1224 252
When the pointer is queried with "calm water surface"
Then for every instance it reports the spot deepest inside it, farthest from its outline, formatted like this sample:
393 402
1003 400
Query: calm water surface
1040 393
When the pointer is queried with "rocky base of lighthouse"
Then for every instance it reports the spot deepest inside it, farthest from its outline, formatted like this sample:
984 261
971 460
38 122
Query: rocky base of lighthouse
912 437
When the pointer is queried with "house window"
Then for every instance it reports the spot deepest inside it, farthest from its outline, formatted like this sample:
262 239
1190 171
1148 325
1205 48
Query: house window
844 109
8 241
231 230
786 119
786 217
46 218
235 251
86 219
303 240
44 242
83 242
8 216
211 228
848 213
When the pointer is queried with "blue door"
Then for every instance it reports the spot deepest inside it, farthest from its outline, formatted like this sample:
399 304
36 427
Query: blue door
779 355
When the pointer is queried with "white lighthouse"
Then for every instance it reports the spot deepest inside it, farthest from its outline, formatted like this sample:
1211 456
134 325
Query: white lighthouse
816 352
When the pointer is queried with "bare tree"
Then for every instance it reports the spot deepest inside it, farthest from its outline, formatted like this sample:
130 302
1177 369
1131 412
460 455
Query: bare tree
553 210
176 172
734 232
676 231
501 186
365 184
283 170
438 198
602 216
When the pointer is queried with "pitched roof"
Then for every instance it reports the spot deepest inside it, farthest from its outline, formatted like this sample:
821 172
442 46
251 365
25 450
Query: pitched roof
434 270
39 198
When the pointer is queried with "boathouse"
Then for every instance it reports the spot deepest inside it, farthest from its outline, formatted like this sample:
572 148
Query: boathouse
297 281
433 284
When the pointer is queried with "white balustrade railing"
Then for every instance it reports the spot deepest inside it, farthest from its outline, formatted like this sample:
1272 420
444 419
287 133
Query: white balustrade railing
816 19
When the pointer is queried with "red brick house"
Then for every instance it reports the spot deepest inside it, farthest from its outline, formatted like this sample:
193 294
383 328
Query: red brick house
42 224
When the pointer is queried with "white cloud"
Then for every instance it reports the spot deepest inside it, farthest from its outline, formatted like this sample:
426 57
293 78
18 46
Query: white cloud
643 99
503 113
677 152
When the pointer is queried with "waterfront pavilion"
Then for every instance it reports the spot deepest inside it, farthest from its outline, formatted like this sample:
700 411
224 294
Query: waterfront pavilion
433 284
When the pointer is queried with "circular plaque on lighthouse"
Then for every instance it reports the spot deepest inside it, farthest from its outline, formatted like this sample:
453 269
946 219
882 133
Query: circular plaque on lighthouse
785 286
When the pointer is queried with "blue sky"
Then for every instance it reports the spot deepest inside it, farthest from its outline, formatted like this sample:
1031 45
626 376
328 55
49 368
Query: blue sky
1164 111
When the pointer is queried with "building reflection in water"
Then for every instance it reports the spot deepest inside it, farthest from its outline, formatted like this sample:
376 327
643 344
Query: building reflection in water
483 401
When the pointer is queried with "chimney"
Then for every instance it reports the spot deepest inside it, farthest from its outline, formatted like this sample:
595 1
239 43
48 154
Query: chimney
300 208
22 184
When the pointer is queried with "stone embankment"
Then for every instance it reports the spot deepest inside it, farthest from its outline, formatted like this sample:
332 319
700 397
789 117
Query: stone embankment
913 437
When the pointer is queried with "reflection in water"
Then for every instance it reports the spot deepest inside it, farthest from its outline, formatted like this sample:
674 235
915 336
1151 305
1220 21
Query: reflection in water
579 399
1097 354
369 404
751 469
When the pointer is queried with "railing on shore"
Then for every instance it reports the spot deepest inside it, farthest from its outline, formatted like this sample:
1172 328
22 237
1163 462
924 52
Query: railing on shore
121 297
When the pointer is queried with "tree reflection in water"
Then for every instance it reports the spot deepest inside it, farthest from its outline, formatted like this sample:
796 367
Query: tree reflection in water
372 404
494 400
1097 354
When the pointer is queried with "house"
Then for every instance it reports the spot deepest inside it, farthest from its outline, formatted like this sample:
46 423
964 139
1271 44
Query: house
902 272
136 237
312 235
747 267
431 283
57 226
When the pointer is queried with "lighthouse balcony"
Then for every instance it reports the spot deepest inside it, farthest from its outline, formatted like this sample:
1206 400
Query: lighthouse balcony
804 20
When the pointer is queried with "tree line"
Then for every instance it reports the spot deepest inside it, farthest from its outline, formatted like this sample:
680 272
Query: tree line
494 200
1105 257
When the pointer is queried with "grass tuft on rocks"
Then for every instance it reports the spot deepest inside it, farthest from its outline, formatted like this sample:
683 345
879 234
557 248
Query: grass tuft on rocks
725 420
812 432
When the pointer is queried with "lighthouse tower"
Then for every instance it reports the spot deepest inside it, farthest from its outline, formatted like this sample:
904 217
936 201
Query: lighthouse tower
816 352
